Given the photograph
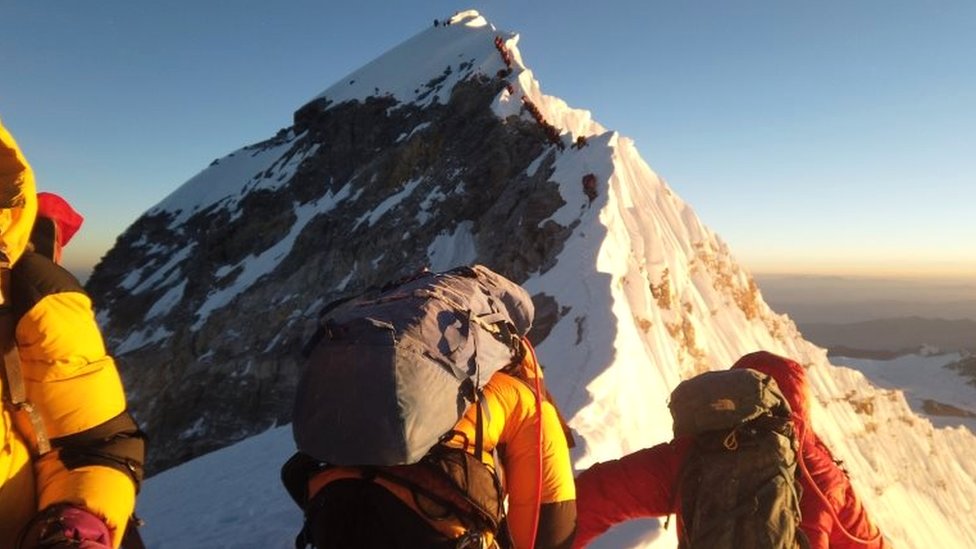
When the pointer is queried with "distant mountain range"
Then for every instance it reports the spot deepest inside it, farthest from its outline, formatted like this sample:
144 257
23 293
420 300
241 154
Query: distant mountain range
890 337
846 299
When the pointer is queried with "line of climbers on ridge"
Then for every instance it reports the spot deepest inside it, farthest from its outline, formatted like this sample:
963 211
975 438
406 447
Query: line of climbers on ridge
552 133
503 51
422 420
445 22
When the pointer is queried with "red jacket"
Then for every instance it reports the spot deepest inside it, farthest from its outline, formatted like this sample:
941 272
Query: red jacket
643 484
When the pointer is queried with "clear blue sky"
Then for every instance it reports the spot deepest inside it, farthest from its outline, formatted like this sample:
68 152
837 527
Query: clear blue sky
829 136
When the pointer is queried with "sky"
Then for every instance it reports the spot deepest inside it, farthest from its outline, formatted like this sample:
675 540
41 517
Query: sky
816 138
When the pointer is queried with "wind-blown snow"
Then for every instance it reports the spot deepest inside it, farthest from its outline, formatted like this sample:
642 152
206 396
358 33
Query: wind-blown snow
391 202
650 295
166 303
141 338
451 250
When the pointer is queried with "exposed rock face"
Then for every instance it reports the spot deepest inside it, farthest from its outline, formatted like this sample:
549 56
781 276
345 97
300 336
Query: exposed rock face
207 363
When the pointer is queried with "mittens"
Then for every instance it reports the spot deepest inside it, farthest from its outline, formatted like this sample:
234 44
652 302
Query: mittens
65 526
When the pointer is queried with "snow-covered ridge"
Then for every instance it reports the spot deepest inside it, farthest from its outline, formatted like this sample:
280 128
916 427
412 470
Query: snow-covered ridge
405 71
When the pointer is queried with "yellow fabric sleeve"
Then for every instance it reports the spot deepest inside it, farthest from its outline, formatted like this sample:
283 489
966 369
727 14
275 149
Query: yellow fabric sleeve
106 492
69 378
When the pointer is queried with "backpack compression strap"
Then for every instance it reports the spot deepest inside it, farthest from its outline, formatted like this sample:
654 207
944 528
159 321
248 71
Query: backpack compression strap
538 448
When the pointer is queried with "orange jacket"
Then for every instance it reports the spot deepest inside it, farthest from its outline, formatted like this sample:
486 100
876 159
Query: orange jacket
643 484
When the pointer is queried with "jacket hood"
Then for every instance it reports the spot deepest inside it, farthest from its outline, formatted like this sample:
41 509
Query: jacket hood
64 216
790 377
18 198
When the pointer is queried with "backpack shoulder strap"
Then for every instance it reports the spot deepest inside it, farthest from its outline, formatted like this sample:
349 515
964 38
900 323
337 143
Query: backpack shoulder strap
13 377
295 474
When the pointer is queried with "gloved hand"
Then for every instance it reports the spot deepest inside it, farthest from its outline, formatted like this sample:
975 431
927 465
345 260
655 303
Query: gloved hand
65 526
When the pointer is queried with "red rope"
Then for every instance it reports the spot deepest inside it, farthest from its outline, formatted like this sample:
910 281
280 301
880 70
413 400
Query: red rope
830 507
538 408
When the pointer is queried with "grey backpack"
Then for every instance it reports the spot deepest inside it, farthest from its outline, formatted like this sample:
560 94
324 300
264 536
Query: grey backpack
392 371
738 487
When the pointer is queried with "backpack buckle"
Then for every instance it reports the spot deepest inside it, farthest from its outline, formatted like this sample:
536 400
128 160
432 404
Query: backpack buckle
472 540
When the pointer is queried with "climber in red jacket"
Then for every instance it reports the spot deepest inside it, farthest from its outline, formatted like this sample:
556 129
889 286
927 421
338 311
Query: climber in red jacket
643 484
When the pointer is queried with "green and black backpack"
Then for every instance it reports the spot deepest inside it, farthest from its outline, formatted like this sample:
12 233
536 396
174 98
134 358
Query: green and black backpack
738 487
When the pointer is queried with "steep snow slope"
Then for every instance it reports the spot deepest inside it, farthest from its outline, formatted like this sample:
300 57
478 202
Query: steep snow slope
227 499
637 293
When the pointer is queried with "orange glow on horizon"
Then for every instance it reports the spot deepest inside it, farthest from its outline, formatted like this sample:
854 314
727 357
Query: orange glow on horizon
867 269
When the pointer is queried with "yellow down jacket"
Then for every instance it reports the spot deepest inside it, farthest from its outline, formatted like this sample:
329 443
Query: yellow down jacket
69 379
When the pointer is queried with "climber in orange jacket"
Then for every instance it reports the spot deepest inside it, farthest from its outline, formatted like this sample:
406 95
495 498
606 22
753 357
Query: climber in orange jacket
643 484
71 458
392 514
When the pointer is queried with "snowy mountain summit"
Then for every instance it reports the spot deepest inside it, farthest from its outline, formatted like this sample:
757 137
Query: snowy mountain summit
445 151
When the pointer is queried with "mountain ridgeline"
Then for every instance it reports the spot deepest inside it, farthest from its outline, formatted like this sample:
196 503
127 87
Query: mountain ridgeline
444 151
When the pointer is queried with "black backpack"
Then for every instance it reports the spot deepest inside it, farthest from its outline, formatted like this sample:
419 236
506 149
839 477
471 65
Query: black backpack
447 484
738 487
